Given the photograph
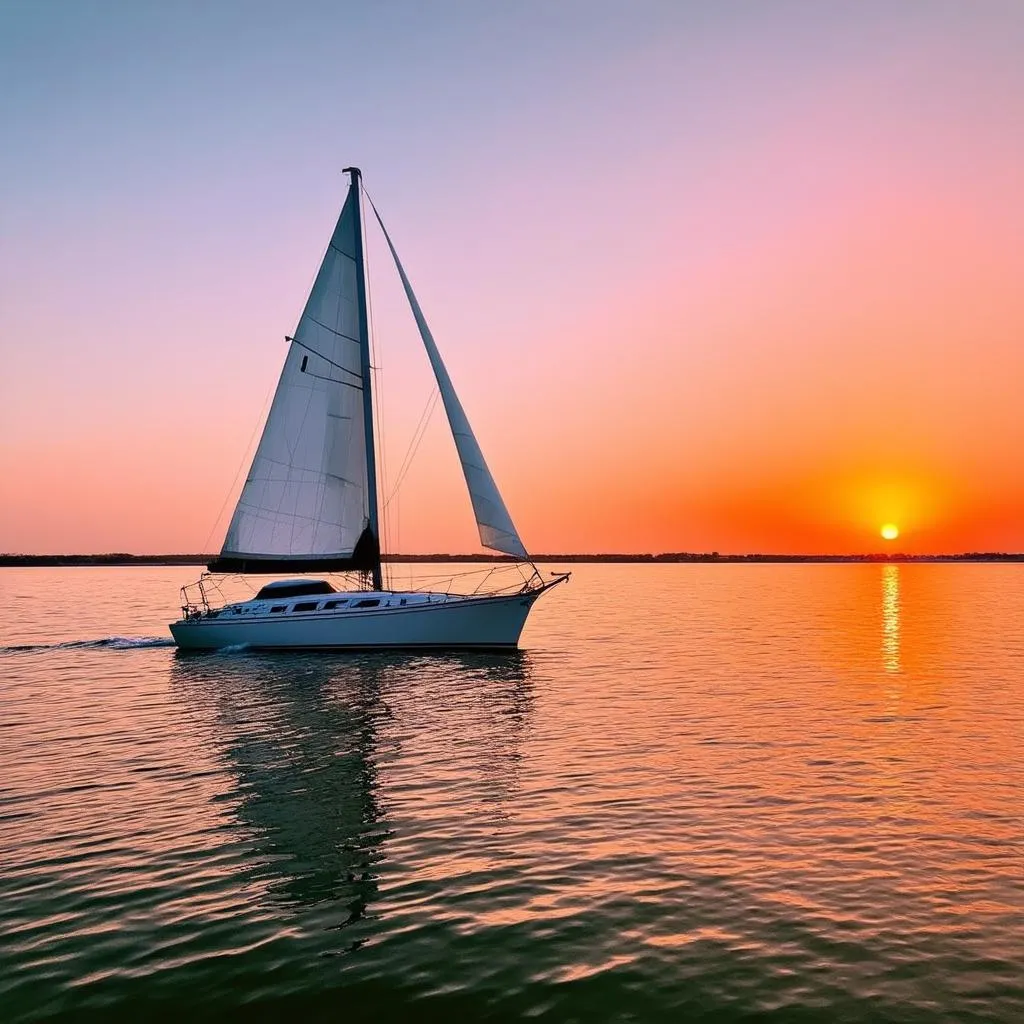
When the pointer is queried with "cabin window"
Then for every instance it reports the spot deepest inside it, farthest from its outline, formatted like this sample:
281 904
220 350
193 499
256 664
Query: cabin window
367 602
328 605
402 601
305 606
279 607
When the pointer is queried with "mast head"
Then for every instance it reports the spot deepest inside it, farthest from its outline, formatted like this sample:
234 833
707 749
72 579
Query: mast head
354 171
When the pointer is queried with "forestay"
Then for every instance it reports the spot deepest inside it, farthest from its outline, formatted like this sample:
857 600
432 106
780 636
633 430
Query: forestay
305 503
497 530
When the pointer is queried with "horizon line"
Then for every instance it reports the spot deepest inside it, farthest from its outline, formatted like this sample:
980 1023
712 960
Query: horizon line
14 559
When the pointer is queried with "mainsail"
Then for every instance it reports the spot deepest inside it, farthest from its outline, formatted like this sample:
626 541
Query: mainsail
497 531
309 501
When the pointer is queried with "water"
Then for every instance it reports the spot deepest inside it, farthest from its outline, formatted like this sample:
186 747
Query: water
711 792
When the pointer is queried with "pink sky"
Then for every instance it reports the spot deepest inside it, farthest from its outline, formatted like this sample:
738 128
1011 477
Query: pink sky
734 281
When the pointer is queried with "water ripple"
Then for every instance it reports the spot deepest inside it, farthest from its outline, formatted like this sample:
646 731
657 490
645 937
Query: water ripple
113 643
710 792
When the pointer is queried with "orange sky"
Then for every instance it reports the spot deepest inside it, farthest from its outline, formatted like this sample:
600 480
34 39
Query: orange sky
704 283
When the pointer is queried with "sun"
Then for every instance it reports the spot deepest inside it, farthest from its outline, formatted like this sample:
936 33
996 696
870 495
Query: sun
890 531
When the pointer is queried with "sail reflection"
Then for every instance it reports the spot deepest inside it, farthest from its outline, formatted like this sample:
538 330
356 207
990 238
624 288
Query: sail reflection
304 736
891 617
300 734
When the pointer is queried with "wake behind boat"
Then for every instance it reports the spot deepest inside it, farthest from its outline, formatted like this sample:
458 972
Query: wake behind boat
310 503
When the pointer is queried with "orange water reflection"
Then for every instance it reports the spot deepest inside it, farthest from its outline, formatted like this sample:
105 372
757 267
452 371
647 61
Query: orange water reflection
891 617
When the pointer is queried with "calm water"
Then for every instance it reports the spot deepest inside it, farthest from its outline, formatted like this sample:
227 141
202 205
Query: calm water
700 792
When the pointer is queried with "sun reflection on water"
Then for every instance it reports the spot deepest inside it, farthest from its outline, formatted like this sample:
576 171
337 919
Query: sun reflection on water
891 618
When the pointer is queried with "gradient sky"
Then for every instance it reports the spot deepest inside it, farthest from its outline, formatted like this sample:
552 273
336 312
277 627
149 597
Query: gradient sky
708 276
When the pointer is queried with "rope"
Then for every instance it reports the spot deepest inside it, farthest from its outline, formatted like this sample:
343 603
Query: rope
417 437
244 459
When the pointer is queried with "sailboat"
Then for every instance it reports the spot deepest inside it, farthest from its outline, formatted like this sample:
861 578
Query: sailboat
310 502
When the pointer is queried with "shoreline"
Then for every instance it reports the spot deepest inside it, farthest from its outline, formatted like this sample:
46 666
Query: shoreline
123 559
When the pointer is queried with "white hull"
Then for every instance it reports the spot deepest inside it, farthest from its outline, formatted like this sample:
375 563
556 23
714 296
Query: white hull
433 621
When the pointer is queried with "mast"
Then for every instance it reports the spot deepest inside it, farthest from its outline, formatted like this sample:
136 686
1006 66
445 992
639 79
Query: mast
364 356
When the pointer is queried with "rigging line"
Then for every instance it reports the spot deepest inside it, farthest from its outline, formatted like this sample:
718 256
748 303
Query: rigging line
402 469
417 437
418 434
245 456
414 441
414 448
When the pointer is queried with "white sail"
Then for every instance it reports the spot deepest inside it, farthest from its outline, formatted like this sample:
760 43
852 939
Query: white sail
306 498
497 531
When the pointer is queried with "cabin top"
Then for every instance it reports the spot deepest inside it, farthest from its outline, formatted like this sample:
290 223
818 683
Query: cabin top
294 588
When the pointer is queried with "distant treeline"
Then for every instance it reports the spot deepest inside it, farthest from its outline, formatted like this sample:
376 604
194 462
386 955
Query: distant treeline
119 558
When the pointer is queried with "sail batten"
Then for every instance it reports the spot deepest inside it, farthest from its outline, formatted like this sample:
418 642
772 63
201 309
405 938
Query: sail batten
306 504
495 526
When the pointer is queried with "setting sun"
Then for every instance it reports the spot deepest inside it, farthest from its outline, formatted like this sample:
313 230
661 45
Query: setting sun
890 531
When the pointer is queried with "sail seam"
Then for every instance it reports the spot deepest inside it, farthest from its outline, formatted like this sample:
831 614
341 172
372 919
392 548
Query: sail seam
334 380
298 515
287 465
340 252
326 327
326 359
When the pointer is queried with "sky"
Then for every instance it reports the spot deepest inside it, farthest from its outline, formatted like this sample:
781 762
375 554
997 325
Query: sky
737 276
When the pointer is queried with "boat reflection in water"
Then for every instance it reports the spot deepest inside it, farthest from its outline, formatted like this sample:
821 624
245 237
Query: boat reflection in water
305 736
